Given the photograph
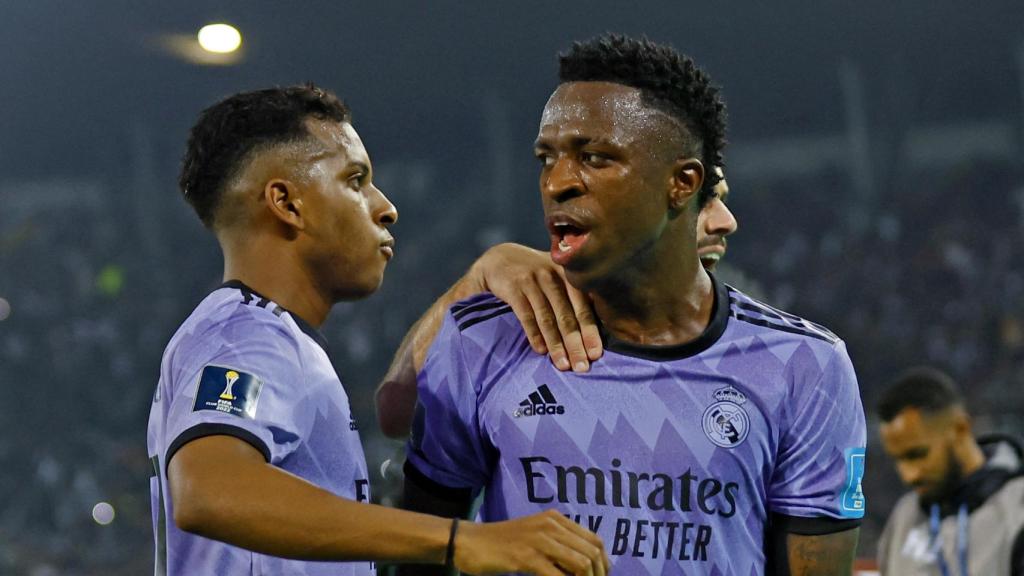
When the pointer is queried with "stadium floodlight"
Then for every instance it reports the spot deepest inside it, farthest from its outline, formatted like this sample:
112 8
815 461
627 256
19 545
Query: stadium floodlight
103 513
219 38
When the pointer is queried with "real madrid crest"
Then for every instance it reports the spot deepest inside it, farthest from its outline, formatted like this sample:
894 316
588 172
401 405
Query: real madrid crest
726 422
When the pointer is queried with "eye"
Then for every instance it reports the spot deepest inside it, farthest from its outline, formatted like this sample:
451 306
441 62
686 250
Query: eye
357 180
594 158
545 158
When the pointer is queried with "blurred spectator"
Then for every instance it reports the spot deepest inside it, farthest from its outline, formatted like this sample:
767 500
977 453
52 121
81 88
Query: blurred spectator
965 514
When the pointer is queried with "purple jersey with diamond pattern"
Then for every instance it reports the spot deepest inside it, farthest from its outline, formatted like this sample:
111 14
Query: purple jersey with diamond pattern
677 457
241 365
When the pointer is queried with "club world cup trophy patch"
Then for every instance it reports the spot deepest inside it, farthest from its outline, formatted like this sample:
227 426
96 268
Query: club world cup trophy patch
227 390
726 422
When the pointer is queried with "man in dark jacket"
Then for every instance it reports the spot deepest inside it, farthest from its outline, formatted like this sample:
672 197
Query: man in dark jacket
965 514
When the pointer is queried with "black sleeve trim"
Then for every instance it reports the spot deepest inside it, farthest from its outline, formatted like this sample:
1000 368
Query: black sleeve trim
433 488
215 429
816 526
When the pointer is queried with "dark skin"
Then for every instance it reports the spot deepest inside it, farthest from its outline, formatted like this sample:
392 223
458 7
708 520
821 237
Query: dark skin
932 451
620 203
550 310
304 225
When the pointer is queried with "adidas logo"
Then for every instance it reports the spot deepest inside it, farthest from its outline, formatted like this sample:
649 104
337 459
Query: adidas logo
540 402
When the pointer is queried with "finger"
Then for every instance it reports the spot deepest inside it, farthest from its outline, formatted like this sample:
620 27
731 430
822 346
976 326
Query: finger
565 317
584 541
596 551
523 310
591 557
547 324
568 553
587 320
585 316
576 529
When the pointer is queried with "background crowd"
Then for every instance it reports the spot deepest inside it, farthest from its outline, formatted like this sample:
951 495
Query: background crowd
883 198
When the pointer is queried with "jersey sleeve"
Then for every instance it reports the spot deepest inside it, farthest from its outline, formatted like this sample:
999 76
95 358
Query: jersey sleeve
822 448
447 444
243 379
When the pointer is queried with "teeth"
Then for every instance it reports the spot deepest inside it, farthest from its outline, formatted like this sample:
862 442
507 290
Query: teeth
563 246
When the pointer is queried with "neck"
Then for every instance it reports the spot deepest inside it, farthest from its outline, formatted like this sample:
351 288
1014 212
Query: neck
669 306
274 271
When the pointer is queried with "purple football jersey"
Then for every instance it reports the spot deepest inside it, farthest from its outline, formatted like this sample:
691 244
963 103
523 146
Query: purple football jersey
241 365
677 456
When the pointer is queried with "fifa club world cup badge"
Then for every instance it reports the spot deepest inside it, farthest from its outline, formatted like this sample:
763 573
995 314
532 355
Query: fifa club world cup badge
228 390
726 422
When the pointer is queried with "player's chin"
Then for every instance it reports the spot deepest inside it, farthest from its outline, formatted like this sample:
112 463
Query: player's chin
359 288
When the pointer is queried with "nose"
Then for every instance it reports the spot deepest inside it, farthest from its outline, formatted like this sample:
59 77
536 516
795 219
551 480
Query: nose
720 220
561 181
384 212
909 473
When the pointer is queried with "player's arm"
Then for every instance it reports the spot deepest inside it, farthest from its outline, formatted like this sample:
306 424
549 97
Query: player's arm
814 554
557 319
815 494
223 489
419 494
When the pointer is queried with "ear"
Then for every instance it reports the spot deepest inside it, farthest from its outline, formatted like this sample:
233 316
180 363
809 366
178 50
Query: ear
962 426
283 198
687 178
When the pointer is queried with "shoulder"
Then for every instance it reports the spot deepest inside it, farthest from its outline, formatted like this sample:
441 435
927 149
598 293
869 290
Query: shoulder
764 318
480 333
486 322
227 323
1013 492
485 310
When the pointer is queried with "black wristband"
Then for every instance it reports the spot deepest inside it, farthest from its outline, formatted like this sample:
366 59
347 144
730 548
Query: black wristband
449 556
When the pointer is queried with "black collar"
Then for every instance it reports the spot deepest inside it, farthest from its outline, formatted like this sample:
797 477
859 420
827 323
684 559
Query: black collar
302 324
711 334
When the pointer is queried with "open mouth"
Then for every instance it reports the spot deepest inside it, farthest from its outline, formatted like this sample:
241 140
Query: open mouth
567 238
710 254
709 259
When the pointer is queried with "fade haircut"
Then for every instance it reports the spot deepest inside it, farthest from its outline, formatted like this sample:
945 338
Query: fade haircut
227 133
927 389
667 80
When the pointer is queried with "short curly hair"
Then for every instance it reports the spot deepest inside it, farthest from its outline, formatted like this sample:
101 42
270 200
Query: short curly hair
227 133
668 81
924 388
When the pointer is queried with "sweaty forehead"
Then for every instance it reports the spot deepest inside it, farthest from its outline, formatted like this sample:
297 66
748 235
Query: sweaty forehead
331 138
604 110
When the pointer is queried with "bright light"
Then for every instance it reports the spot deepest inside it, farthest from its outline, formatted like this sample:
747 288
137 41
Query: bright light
220 38
103 513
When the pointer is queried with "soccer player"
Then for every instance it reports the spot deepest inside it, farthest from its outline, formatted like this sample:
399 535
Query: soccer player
716 435
714 223
965 514
541 282
258 467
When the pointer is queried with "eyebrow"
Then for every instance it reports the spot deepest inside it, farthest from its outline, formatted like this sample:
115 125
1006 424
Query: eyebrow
359 164
576 142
